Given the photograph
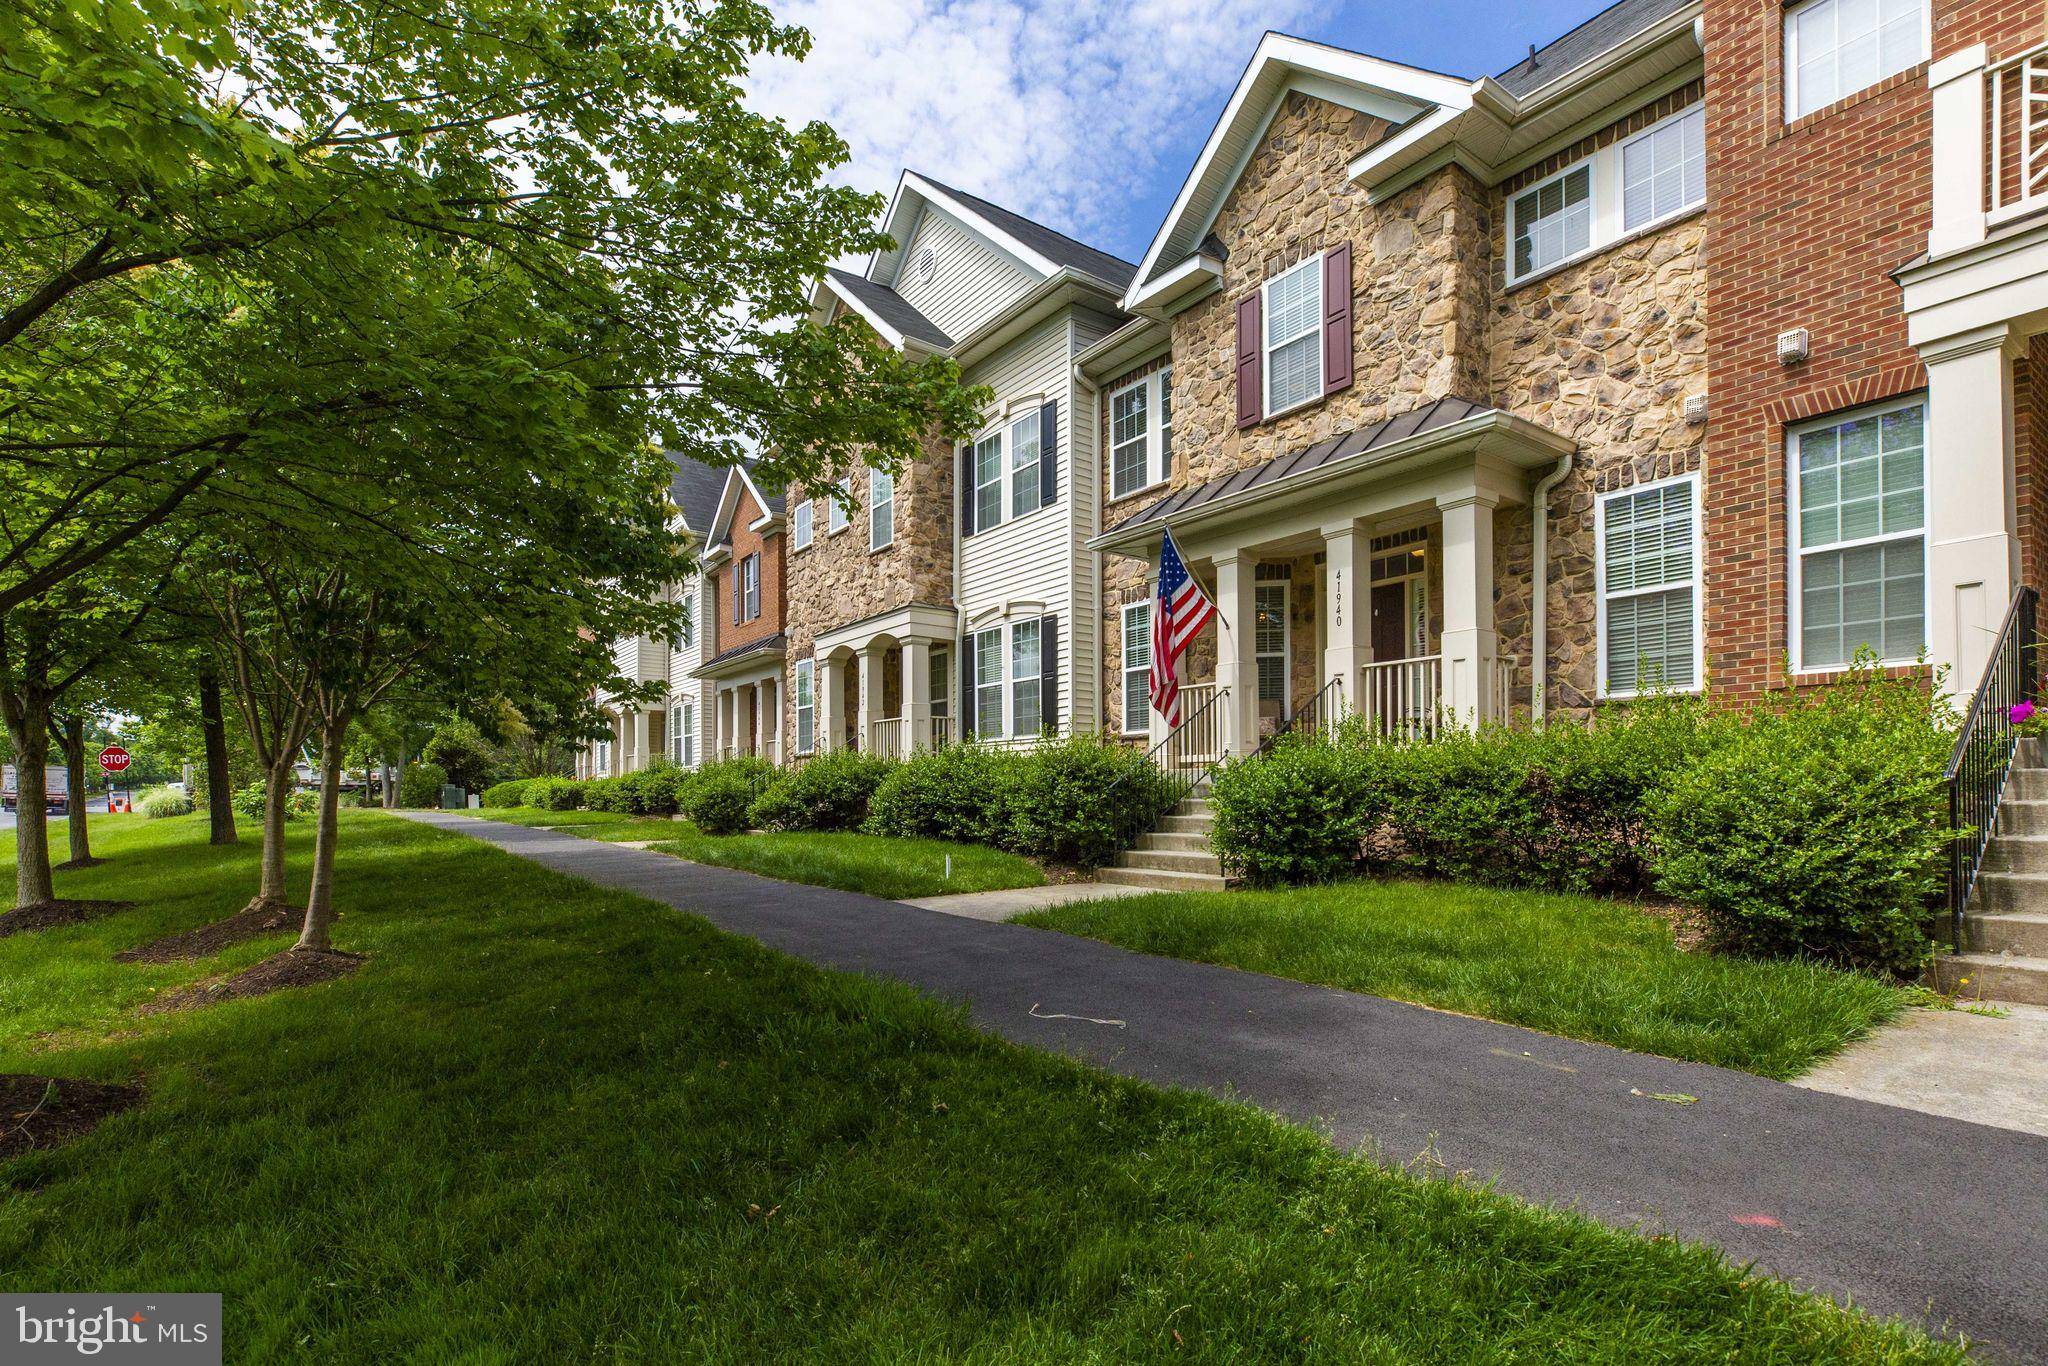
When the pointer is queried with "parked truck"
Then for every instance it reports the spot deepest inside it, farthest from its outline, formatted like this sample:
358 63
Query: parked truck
56 789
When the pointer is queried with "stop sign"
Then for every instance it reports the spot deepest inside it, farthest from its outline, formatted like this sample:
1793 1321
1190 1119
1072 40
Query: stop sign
113 758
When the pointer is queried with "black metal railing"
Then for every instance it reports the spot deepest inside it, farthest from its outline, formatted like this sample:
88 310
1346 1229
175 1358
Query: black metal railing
1982 759
1193 747
1317 716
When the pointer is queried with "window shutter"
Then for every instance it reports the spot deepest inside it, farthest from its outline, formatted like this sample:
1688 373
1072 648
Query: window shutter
1048 453
1337 318
967 489
1250 399
967 718
739 594
1049 672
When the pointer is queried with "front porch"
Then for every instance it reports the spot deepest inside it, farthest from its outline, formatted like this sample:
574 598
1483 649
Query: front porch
882 685
1365 576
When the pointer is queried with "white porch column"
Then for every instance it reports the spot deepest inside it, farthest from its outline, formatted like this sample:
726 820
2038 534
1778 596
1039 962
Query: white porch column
917 695
1469 643
1972 510
640 737
825 702
1957 86
1347 605
742 722
1237 666
866 696
771 720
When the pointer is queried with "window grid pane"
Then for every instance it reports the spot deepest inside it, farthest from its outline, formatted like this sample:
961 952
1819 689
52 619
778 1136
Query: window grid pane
881 508
1665 170
1024 466
1843 46
1554 221
1025 709
988 683
1294 353
801 532
988 482
1127 422
1137 664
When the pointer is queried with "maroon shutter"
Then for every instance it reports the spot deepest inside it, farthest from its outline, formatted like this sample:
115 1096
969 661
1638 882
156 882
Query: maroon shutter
1251 398
1337 318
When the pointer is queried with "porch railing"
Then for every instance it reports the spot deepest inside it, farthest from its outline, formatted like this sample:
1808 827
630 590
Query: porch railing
1193 747
1194 701
942 731
1317 716
885 737
1982 759
2018 97
1403 698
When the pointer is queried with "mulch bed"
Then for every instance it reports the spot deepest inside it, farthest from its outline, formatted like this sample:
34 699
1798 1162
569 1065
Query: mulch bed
50 915
32 1116
279 972
252 922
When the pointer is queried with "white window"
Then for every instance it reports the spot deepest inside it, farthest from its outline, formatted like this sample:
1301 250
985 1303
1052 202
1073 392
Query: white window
1130 443
1027 710
1664 169
1553 221
604 758
988 682
1024 455
1858 524
881 508
1293 310
685 737
1137 667
806 708
837 502
1269 640
1647 541
1834 48
988 481
689 627
750 588
800 524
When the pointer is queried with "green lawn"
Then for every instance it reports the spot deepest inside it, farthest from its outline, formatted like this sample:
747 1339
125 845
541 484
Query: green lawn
1577 966
548 1122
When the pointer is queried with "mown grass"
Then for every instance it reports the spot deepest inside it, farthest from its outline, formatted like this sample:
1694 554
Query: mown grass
1578 966
548 1122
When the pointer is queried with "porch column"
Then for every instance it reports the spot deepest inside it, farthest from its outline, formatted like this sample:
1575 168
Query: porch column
1972 510
1957 86
1347 606
864 698
771 720
1469 644
1237 665
639 738
825 704
917 695
742 721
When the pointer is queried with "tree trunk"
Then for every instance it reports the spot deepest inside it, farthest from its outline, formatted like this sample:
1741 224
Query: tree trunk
220 811
74 770
32 882
277 792
397 779
320 900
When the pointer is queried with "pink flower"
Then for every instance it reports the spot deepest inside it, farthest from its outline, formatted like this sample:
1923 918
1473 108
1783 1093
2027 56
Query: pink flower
2022 712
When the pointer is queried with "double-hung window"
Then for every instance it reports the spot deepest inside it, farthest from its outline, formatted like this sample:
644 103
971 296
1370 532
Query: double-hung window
1137 667
1649 573
688 631
1293 311
1024 457
1859 518
1664 169
881 508
988 481
1130 439
1553 221
1269 640
837 503
806 707
685 737
750 587
1027 704
988 682
1834 48
800 521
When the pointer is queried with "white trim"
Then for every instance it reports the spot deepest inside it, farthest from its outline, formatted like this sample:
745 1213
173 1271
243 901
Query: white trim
1010 467
838 513
875 502
1314 264
1789 46
1696 110
1001 483
805 675
974 723
1796 551
1697 584
1149 468
802 519
1124 670
896 340
1605 198
1589 165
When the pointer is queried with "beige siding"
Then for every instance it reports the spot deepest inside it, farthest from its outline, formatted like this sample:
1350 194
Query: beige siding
971 280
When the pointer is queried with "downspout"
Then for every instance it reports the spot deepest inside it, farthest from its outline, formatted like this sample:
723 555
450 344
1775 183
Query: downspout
1539 597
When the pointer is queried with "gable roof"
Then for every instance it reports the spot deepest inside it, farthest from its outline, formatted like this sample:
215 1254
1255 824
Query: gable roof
888 312
1619 21
739 477
1054 246
695 489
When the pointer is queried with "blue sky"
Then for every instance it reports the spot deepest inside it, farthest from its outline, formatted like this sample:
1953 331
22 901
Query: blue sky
1086 114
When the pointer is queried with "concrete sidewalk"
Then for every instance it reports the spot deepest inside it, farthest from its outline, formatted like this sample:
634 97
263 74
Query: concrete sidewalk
1014 901
1913 1214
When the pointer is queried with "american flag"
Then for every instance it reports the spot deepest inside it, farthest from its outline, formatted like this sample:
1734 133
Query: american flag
1180 610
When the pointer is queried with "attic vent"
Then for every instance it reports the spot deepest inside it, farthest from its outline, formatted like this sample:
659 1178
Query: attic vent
925 266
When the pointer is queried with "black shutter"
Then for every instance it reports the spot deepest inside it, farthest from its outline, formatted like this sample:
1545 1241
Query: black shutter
966 686
1049 671
1048 453
967 489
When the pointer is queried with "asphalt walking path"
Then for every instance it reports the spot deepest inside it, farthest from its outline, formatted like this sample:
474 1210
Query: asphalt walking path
1905 1213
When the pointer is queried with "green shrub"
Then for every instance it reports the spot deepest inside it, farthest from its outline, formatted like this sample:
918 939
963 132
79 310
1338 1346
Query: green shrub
964 793
719 796
1298 814
1083 800
652 791
470 761
830 792
160 802
605 794
555 794
1817 827
248 801
509 794
420 787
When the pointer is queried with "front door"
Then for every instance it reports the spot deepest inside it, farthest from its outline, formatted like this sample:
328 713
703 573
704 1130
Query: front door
1389 621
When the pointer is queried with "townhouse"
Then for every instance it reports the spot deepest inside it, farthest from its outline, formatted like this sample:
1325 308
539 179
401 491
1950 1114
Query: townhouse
1698 349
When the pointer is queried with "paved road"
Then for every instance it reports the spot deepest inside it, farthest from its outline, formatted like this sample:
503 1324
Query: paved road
1908 1213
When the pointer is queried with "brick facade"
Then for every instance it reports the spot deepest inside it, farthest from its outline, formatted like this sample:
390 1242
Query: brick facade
726 633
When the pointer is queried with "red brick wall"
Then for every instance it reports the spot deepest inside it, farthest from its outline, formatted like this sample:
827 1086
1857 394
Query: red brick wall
1807 222
746 542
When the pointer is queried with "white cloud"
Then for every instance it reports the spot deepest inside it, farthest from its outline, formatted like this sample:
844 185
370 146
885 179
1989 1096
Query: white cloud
1050 108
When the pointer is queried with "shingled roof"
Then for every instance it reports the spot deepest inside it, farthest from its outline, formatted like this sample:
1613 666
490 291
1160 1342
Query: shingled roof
1604 30
695 489
891 307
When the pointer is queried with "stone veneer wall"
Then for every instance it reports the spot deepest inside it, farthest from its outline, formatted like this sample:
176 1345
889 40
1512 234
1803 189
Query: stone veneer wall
838 580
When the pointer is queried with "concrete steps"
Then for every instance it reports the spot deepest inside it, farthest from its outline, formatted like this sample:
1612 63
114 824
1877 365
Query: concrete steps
2005 926
1175 857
